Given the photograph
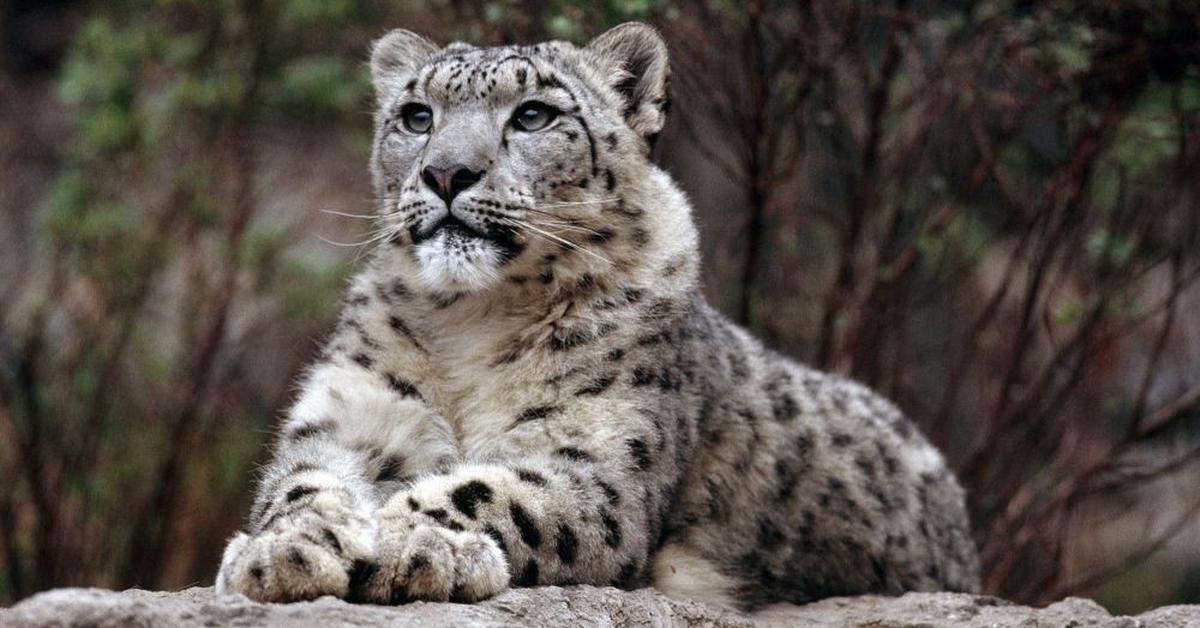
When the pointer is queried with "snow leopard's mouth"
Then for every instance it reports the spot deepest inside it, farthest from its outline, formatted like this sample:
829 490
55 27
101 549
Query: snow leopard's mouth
456 230
451 225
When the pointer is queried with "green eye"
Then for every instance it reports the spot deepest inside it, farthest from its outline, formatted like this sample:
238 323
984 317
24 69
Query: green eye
534 116
417 118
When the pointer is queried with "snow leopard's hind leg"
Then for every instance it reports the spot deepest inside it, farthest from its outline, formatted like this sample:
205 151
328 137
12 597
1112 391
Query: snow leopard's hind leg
807 485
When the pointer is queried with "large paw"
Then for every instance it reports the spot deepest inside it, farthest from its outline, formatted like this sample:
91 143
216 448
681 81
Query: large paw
302 557
422 561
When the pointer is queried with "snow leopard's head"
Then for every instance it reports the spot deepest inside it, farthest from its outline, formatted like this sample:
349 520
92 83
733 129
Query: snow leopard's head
493 163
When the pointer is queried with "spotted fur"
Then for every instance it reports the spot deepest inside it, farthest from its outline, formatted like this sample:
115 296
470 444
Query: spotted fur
525 386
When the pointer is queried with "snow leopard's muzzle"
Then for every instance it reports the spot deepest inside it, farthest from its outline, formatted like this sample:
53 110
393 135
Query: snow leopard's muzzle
461 217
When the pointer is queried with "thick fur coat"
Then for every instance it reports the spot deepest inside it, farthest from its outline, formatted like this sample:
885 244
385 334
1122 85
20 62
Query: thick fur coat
525 386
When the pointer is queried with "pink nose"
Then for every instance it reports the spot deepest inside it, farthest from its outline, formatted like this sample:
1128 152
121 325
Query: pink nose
448 182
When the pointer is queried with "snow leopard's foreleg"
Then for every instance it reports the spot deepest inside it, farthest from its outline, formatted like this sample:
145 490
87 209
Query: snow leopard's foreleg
583 504
358 431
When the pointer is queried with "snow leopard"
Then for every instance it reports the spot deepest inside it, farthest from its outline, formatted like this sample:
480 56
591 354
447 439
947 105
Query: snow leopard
526 387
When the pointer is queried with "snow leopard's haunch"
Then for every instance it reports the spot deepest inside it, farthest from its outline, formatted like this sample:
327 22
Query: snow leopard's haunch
525 386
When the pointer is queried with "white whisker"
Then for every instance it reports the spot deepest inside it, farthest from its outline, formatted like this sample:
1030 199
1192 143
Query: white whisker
566 243
564 225
377 237
597 201
365 216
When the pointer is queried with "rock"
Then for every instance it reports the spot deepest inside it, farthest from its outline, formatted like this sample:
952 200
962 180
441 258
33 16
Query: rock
563 607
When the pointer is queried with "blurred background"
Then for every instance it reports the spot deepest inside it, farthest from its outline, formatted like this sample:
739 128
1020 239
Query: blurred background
987 210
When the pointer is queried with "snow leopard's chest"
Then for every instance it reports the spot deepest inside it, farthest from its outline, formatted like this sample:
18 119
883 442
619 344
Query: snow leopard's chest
499 381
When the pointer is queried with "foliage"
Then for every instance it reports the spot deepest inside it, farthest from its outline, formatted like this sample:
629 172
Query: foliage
154 220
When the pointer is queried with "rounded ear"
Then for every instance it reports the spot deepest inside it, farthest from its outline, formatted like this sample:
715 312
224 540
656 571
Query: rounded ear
396 57
633 58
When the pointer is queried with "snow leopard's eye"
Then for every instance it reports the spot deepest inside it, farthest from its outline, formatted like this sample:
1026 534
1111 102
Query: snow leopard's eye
534 116
417 118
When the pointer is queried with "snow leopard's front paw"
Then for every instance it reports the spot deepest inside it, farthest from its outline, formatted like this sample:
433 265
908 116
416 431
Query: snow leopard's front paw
303 556
416 559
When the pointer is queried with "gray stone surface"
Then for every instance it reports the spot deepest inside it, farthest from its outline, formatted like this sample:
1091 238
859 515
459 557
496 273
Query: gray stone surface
562 607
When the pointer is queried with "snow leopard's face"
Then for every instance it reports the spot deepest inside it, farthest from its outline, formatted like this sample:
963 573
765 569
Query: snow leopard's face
491 161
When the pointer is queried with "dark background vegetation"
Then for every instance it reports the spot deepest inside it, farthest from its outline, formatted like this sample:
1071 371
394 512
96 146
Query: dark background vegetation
987 210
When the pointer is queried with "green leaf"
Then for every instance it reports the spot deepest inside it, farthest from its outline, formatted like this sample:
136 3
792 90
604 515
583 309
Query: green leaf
321 85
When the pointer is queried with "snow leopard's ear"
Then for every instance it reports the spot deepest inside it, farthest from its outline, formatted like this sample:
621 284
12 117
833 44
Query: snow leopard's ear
395 60
633 58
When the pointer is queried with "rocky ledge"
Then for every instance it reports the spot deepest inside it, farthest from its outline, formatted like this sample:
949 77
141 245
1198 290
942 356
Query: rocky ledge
563 606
